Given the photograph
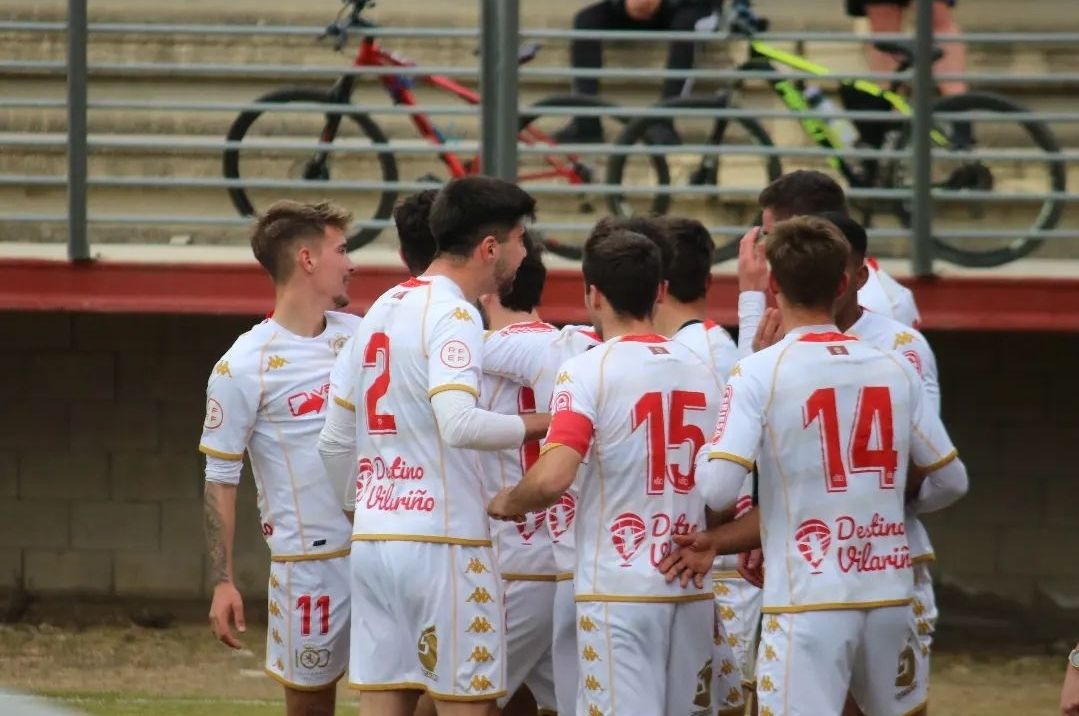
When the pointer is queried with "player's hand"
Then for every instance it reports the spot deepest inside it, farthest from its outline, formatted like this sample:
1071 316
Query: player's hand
751 567
770 331
499 508
226 608
1069 695
752 265
536 425
692 559
641 10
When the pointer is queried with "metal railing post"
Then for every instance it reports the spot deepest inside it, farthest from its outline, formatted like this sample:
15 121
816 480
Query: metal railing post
921 227
78 245
498 85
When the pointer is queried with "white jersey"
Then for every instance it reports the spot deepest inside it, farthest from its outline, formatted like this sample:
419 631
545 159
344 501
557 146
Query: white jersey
530 354
890 335
638 409
419 338
713 344
884 295
266 396
832 423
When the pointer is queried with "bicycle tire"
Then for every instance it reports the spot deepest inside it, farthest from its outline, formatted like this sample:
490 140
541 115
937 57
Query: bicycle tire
635 132
556 247
1051 211
387 162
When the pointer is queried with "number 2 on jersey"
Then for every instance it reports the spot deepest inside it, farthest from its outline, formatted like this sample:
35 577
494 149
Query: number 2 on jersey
663 436
377 423
874 411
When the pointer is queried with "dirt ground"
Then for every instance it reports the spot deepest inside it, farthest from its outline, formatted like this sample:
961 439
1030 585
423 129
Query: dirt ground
119 669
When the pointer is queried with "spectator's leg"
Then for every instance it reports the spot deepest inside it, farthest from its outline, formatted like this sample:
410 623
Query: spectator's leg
955 53
588 53
680 55
882 17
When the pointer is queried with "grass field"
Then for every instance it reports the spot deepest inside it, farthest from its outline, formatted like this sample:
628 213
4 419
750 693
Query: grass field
117 670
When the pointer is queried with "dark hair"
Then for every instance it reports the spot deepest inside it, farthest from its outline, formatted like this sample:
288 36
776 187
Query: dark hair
651 228
524 294
466 210
802 192
808 257
625 267
286 222
851 230
690 268
412 217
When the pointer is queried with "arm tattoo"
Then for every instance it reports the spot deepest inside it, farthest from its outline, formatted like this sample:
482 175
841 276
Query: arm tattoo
215 542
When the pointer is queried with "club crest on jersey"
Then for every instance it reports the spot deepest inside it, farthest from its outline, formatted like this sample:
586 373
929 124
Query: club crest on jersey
455 354
659 351
532 523
308 401
627 535
562 402
530 327
813 538
215 415
427 651
915 360
338 343
724 411
837 350
560 516
312 658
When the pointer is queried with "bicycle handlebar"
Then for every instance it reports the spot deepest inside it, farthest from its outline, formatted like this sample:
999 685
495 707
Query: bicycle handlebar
347 18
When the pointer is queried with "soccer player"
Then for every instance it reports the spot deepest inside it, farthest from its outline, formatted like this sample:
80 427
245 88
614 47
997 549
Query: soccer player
266 397
803 192
427 598
833 424
634 411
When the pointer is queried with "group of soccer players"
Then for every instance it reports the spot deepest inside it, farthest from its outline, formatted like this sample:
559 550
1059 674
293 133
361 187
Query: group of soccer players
468 508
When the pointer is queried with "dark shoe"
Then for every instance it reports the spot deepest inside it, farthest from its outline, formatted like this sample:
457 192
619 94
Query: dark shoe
583 130
662 133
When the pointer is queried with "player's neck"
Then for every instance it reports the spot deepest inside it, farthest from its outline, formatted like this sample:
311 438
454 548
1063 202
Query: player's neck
615 326
676 314
795 317
299 312
471 284
498 317
848 316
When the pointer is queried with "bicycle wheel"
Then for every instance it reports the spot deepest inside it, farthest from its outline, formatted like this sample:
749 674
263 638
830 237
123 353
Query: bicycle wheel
1012 221
730 165
537 126
275 150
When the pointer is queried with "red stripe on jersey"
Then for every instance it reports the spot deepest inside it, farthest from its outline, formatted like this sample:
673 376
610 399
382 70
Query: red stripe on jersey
872 263
826 337
645 338
593 335
572 430
414 282
709 324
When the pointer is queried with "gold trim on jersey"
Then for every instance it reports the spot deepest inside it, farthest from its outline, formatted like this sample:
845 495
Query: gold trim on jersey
344 403
828 606
415 686
727 574
311 557
520 577
563 576
939 463
732 711
453 386
643 598
302 687
923 558
220 454
720 455
435 539
548 447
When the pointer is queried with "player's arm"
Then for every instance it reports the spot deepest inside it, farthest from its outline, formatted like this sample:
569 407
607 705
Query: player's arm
696 552
552 475
722 465
231 405
939 477
520 357
337 440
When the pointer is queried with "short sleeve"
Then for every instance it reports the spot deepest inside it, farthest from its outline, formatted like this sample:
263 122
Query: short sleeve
455 351
232 398
930 445
740 423
573 407
343 377
915 348
518 356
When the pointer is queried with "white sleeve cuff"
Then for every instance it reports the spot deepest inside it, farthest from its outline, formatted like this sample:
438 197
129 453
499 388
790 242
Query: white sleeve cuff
720 481
223 472
942 488
751 305
463 425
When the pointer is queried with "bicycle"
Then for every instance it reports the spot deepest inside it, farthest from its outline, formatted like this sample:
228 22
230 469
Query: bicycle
961 172
329 128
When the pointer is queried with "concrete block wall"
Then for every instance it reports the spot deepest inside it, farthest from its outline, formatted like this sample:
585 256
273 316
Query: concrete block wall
101 484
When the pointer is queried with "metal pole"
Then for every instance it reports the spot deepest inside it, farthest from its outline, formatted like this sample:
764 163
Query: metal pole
922 209
498 85
78 245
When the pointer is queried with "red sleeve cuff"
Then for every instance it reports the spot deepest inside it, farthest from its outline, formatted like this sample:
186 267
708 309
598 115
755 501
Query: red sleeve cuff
572 430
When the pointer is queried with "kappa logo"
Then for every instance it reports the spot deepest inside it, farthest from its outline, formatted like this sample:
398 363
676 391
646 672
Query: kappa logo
563 377
726 613
765 711
308 401
703 696
461 314
593 710
772 625
481 655
918 608
275 609
276 636
726 668
765 684
592 683
770 653
480 625
427 650
589 654
902 339
733 640
734 696
222 368
480 683
586 624
736 370
273 581
475 566
480 596
720 589
275 362
279 664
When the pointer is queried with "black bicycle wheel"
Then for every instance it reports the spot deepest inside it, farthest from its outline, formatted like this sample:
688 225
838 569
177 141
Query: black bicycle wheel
743 169
286 128
537 126
953 177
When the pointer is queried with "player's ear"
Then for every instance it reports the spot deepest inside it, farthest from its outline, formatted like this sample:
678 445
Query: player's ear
861 276
305 257
773 285
844 282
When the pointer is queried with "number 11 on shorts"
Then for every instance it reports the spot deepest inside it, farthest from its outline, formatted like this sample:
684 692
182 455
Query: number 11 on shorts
322 605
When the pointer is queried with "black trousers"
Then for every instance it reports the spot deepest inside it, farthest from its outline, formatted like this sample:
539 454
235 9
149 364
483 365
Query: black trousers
605 15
